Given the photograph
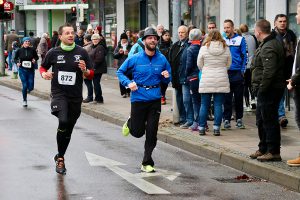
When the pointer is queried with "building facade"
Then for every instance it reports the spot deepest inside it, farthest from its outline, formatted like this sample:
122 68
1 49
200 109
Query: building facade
115 16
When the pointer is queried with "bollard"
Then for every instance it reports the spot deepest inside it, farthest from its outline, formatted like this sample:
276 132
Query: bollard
175 107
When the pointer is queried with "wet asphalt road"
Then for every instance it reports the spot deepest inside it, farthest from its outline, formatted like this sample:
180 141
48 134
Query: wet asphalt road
27 169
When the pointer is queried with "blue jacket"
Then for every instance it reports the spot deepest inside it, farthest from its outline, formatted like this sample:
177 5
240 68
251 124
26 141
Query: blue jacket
238 49
191 60
135 48
144 73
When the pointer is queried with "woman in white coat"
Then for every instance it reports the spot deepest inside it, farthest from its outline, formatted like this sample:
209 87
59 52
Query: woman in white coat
214 60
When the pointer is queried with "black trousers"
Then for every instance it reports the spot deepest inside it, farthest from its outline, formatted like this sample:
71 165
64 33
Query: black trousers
248 94
267 121
296 97
144 118
236 90
67 113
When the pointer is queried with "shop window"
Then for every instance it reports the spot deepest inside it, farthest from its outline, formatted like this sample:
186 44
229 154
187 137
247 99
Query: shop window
132 15
204 11
292 12
152 13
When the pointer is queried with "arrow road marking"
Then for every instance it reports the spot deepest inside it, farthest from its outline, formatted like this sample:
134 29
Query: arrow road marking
149 188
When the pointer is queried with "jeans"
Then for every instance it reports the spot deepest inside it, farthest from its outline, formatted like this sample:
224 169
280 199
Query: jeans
236 90
281 109
187 102
10 64
97 87
267 121
196 98
179 102
218 109
27 79
89 85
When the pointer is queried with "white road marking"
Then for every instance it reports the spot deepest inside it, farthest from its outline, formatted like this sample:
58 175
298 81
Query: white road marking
149 188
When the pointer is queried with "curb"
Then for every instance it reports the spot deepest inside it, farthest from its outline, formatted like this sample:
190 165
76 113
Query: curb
200 147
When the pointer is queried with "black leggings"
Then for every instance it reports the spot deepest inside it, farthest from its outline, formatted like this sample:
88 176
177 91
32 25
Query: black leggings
145 118
67 113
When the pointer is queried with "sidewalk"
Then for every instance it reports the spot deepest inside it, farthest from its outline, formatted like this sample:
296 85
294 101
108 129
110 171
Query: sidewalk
231 148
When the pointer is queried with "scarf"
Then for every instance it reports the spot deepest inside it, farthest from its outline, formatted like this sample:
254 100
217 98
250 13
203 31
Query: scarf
67 47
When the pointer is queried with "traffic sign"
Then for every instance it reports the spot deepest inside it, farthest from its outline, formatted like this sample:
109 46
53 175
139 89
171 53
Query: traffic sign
8 6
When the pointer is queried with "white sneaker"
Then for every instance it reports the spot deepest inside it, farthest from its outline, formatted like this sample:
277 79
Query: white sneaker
247 109
24 103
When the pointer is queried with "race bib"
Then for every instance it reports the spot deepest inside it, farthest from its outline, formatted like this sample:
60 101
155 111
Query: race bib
66 78
26 64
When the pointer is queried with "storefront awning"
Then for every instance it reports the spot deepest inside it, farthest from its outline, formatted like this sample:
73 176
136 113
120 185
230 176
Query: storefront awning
53 7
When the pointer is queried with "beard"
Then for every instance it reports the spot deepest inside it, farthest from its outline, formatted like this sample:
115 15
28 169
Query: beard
149 47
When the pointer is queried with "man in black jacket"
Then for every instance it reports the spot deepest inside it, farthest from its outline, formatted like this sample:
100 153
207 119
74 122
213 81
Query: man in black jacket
175 55
268 81
289 41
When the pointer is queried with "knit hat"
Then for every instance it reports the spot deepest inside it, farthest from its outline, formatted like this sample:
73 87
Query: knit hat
25 39
99 28
123 36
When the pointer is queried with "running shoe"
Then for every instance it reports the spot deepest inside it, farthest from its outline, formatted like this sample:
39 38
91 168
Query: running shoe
60 165
125 129
25 104
147 168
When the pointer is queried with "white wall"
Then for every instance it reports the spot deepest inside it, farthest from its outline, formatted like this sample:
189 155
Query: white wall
163 13
41 22
120 17
273 8
229 9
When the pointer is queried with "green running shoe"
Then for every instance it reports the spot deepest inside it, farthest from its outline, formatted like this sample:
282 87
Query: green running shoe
125 129
147 169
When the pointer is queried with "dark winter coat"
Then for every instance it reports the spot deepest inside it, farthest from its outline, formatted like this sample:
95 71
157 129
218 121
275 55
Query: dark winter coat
267 66
97 56
121 57
164 47
175 59
192 69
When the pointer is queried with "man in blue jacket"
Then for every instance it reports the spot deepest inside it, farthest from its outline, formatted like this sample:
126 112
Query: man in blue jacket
238 50
148 69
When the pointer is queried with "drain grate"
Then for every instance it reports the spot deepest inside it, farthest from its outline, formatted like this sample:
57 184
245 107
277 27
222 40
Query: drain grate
240 179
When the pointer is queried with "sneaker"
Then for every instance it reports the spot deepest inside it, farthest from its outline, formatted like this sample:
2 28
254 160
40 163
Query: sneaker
124 96
240 124
248 109
202 131
269 157
147 168
294 163
227 124
256 154
283 121
186 125
125 129
86 100
217 132
60 165
194 126
163 101
253 104
25 104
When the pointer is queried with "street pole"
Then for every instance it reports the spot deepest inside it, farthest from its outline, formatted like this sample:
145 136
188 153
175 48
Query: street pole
2 58
176 19
176 23
77 15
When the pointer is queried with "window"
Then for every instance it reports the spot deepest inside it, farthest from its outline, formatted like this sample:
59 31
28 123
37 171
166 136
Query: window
292 12
132 15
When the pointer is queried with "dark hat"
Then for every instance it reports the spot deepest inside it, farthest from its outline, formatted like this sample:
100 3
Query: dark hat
123 36
150 32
